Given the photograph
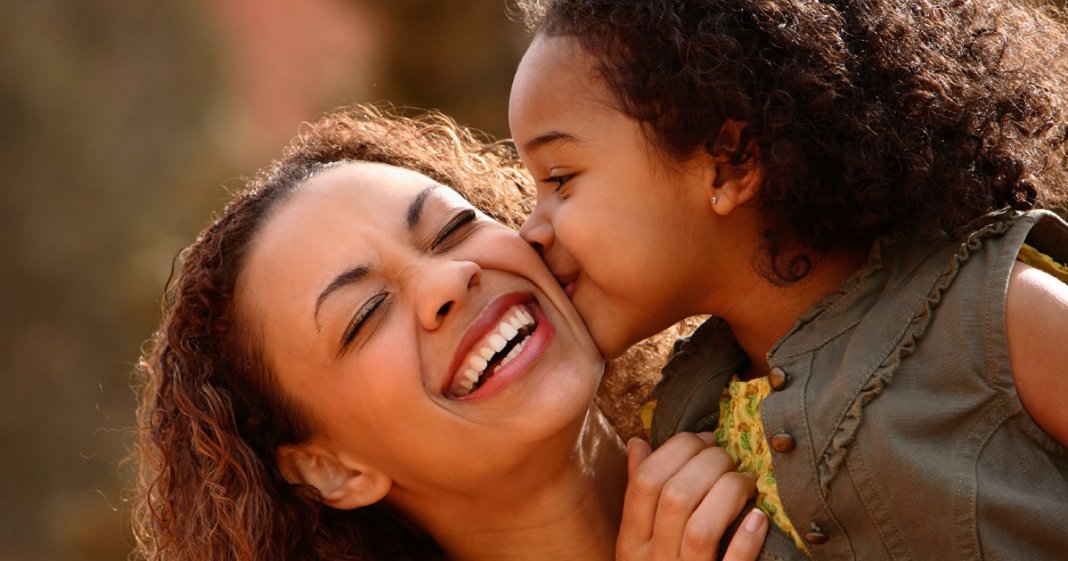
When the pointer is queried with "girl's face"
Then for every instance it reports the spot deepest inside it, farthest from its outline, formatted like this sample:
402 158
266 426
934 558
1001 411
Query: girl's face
422 338
621 229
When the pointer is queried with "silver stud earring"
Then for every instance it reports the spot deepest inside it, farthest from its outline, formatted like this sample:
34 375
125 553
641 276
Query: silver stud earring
715 200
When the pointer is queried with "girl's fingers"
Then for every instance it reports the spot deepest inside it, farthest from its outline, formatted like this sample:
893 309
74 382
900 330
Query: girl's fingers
705 528
701 481
747 541
637 451
648 472
633 531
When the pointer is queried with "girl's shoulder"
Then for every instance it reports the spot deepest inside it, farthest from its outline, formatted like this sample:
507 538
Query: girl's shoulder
1036 324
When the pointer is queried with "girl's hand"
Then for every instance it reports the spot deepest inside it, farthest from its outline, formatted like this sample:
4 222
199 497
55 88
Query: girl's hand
680 500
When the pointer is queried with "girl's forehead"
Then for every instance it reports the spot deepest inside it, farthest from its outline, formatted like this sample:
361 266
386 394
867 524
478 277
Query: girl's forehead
557 88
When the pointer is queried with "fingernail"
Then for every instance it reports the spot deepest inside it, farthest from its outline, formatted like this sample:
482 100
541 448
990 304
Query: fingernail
709 437
631 441
754 520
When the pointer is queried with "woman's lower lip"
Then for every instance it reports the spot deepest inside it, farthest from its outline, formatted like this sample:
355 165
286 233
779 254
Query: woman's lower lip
536 344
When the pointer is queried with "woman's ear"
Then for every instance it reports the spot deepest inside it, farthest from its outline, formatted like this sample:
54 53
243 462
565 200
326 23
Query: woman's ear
343 486
738 174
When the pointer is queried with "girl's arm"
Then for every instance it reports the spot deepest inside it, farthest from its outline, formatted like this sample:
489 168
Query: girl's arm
1036 311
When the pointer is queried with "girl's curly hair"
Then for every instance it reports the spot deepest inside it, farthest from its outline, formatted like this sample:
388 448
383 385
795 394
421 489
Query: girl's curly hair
872 117
211 414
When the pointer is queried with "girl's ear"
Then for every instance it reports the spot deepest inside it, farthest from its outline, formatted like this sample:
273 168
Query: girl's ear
343 486
737 176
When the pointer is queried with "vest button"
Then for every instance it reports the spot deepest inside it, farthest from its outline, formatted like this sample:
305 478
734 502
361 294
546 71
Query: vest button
777 378
783 442
816 536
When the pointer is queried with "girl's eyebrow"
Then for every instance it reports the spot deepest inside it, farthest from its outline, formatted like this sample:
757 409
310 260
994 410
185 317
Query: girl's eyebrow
551 137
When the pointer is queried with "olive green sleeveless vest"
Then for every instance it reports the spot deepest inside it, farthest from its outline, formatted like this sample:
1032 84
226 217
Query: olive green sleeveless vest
895 425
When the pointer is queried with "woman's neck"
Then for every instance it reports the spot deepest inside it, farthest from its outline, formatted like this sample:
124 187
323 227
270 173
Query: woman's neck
572 512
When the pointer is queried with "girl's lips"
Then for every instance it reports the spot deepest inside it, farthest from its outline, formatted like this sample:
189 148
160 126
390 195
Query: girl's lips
568 283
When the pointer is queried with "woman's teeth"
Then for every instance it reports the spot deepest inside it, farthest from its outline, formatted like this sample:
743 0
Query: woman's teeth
512 333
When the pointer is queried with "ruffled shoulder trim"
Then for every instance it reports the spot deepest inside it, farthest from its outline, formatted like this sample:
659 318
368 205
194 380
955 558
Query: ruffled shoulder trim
835 454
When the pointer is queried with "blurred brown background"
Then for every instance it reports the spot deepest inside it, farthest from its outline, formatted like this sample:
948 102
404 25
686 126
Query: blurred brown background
122 125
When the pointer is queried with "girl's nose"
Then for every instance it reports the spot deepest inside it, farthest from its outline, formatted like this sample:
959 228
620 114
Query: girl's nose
538 231
445 288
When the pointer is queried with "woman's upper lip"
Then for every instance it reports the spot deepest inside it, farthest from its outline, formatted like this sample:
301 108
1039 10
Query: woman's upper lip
485 321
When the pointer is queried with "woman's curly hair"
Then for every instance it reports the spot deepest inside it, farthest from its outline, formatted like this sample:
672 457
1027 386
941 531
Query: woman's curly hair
872 117
211 414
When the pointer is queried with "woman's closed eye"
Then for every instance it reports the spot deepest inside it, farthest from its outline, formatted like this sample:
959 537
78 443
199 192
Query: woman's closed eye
365 319
450 234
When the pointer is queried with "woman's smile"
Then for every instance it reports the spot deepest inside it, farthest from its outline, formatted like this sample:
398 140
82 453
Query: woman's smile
508 335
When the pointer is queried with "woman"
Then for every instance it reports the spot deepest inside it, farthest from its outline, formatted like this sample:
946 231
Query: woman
354 363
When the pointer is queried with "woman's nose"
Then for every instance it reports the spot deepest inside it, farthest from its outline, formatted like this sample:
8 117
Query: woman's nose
538 231
444 289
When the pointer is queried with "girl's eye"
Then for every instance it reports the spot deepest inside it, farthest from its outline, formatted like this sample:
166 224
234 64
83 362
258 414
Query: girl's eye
363 317
558 181
448 235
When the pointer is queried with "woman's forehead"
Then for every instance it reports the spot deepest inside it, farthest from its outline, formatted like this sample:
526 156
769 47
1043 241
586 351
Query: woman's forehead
369 180
346 212
378 186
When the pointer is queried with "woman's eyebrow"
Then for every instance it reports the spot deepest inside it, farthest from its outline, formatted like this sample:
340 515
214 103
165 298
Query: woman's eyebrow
415 210
355 274
350 276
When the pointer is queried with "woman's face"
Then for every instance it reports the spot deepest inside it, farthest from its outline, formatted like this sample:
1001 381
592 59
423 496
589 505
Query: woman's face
619 228
421 337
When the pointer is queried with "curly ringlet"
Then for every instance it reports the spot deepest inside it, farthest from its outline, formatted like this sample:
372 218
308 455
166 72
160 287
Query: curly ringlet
873 117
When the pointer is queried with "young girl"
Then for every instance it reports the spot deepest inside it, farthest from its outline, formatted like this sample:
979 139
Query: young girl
845 186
